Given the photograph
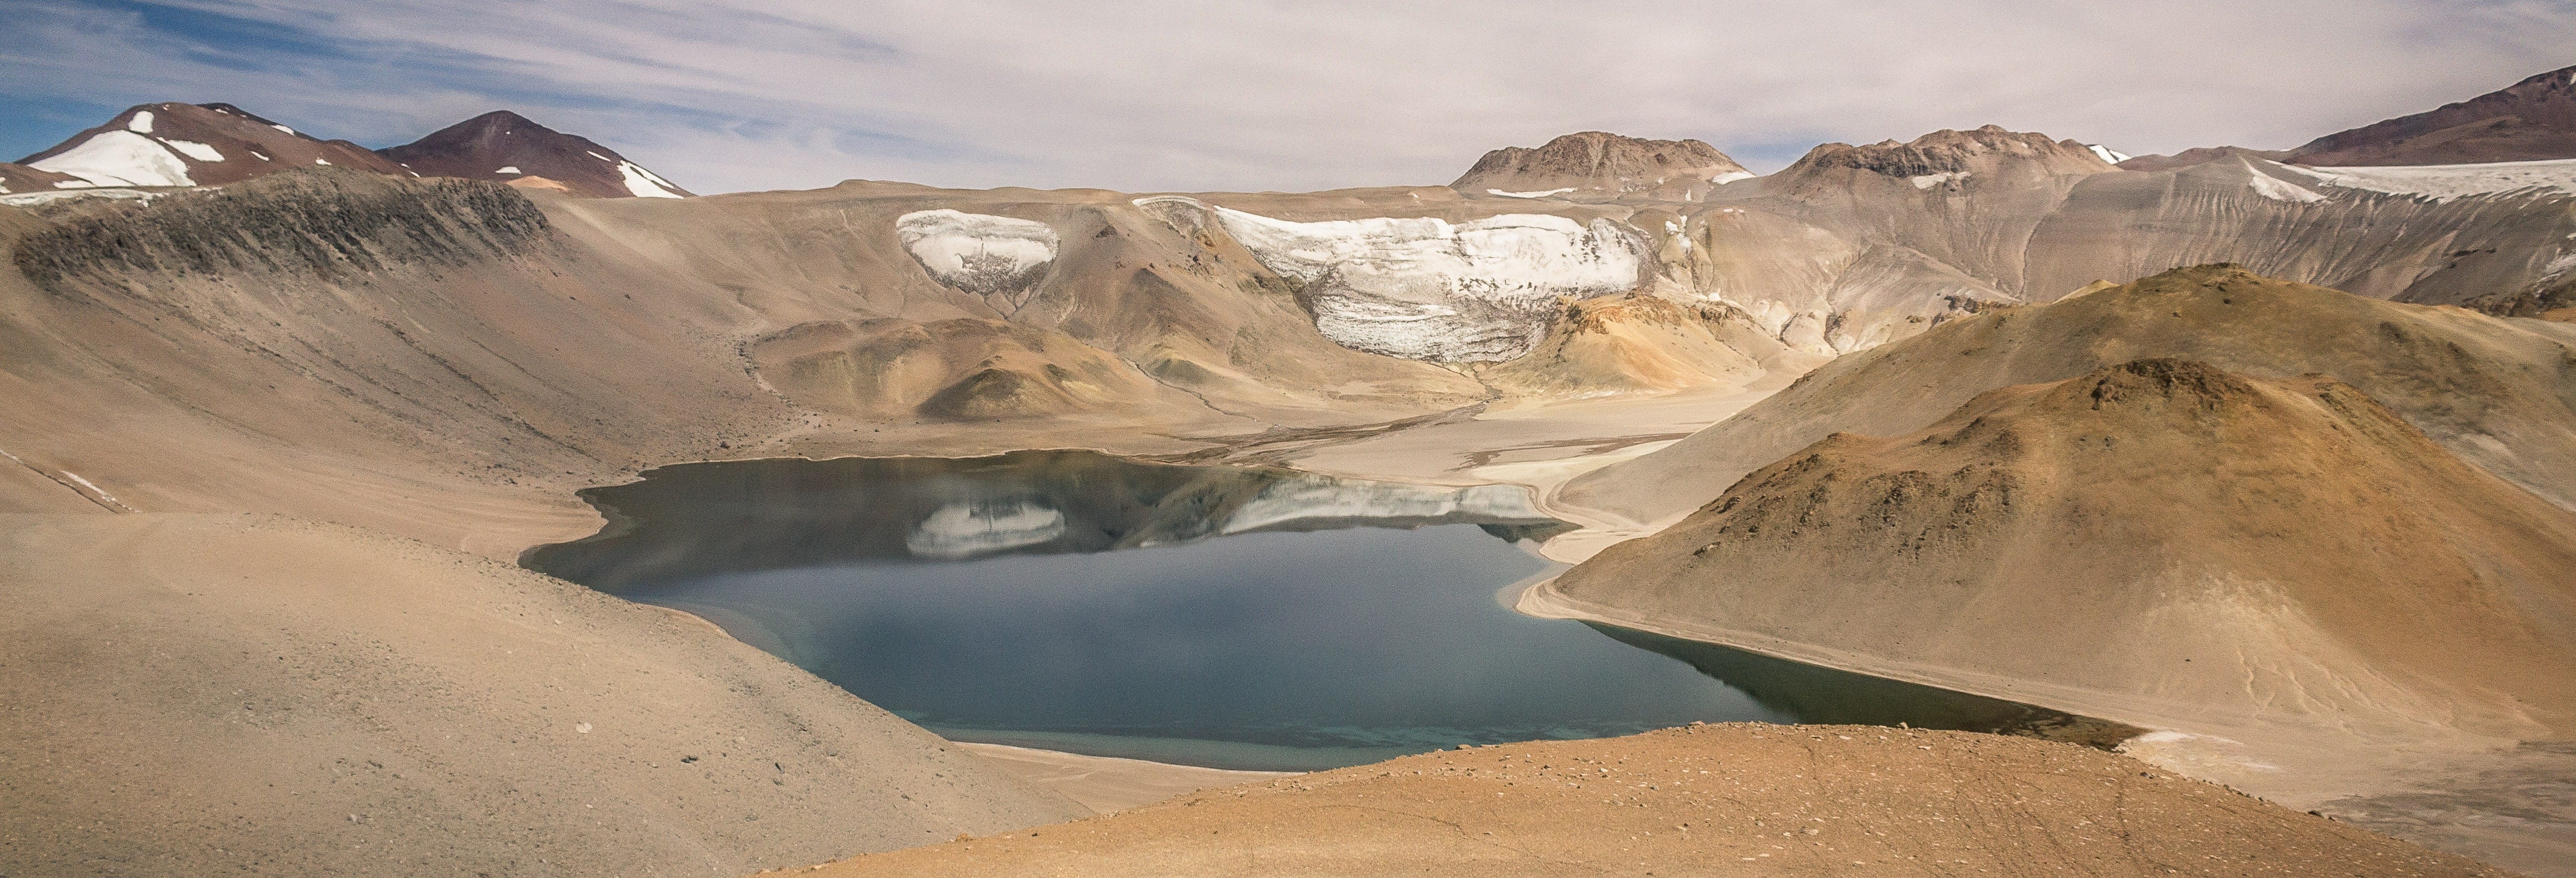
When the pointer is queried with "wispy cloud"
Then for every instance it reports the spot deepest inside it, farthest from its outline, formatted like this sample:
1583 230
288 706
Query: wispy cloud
1278 94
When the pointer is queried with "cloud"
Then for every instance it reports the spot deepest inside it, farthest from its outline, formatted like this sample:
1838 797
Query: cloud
1278 94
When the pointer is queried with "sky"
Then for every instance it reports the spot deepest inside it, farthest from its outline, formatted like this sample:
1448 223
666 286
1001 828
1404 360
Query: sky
1287 95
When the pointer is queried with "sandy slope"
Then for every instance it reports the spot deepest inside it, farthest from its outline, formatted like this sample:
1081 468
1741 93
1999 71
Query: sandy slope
1712 800
191 694
2286 569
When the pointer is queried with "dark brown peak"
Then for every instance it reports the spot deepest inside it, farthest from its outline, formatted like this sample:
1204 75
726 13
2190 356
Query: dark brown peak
2530 120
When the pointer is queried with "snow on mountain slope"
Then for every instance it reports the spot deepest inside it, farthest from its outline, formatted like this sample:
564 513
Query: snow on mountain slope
118 158
996 257
1427 289
2445 182
173 144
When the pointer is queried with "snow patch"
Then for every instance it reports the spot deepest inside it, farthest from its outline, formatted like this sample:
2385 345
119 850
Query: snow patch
2439 183
599 157
962 530
510 169
642 182
2278 189
31 199
289 131
1427 289
2106 153
141 123
1928 181
1732 176
119 158
1315 499
978 253
1529 194
321 161
194 150
257 153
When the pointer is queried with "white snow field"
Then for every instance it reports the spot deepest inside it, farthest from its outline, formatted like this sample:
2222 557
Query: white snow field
2445 182
2107 154
1427 289
979 253
192 149
645 184
119 158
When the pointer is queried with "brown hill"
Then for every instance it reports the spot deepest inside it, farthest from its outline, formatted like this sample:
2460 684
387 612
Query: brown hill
1734 799
1601 163
2498 393
2531 120
505 146
203 694
2284 565
174 144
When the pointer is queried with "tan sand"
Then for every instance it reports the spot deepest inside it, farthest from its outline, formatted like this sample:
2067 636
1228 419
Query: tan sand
1737 799
202 694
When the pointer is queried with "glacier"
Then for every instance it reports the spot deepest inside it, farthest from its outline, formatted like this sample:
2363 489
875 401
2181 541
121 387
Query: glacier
1428 289
996 257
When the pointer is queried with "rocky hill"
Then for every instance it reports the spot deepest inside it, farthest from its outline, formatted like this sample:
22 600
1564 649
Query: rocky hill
1598 163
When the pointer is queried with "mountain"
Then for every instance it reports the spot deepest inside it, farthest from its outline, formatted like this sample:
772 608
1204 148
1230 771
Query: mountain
1598 163
2282 564
505 146
2531 120
192 145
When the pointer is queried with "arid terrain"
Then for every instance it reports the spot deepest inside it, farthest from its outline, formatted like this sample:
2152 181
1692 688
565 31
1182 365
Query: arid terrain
2270 458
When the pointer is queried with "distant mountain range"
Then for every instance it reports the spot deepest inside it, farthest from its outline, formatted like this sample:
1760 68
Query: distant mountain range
2531 120
173 144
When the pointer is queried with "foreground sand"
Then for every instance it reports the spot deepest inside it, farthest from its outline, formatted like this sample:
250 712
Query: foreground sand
1108 783
202 694
1733 799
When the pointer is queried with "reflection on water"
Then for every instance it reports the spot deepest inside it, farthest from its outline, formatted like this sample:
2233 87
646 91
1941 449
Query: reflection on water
1222 616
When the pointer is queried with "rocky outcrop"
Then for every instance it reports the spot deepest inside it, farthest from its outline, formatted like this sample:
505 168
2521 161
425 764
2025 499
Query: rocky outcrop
319 222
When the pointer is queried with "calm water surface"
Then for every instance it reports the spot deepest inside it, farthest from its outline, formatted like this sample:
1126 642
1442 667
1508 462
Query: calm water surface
1221 616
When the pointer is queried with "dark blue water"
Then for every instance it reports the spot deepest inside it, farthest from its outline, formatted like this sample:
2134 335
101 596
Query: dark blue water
1219 616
